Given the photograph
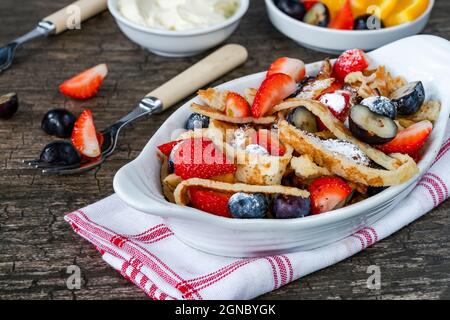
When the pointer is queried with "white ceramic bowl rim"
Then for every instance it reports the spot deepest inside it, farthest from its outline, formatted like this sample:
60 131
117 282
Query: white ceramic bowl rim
309 221
243 7
362 32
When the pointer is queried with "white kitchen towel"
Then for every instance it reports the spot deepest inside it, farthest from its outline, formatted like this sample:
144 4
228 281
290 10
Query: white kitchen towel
146 252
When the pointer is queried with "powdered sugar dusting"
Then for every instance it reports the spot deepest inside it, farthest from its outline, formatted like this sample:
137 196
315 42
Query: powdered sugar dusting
334 101
256 149
344 148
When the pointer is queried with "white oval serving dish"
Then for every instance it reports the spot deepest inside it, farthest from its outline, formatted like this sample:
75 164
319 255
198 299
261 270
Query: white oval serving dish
422 58
336 41
178 43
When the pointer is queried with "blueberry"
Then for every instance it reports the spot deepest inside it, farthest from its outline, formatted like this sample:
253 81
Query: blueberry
382 106
302 119
293 8
60 152
9 103
409 98
248 206
289 207
58 122
371 127
368 22
197 121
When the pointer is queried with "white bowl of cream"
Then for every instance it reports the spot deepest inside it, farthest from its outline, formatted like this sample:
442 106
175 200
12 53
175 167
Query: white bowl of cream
178 28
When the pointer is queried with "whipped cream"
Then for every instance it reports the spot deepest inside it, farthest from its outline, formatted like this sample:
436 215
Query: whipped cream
177 15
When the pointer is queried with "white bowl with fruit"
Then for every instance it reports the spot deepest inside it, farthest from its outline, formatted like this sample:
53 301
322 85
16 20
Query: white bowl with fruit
215 214
334 26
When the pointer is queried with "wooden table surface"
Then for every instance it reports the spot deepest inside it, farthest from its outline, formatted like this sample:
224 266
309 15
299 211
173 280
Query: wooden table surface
37 245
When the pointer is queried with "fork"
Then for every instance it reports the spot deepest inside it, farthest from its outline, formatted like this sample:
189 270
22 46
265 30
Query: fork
54 24
200 74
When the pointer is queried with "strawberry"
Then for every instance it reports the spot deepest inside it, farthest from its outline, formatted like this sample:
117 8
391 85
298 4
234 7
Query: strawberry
350 61
274 89
199 158
338 103
292 67
236 106
86 84
309 3
166 148
343 19
335 85
409 140
269 140
328 193
84 135
210 201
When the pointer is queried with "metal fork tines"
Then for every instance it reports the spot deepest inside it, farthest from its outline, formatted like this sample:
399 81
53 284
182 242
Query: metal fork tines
147 106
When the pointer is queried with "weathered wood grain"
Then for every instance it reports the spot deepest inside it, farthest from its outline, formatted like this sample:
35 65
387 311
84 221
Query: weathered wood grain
36 245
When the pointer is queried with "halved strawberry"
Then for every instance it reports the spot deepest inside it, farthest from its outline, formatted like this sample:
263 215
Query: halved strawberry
84 135
335 85
309 3
292 67
86 84
350 61
200 158
166 148
210 201
409 140
338 103
236 106
269 140
344 18
328 193
274 89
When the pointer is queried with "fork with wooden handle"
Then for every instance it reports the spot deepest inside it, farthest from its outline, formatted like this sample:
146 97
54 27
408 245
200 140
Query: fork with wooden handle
173 91
54 24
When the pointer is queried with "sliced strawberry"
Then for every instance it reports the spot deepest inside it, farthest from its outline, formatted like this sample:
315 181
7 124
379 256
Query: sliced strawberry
335 85
338 103
86 84
350 61
210 201
84 135
309 3
166 148
200 158
409 140
344 18
292 67
328 193
273 90
269 140
236 106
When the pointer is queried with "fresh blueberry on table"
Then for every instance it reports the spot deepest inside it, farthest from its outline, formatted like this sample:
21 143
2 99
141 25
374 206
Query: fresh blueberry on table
248 206
290 207
197 121
58 122
60 152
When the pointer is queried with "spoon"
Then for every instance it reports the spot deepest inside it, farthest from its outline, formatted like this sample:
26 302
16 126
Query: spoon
54 24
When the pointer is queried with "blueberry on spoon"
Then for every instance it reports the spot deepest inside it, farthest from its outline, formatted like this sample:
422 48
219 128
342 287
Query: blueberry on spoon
62 152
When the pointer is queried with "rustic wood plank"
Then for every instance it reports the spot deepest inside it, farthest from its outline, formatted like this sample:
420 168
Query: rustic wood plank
36 245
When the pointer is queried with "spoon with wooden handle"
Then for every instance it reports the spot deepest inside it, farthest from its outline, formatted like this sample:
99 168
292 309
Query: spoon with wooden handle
211 68
60 21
